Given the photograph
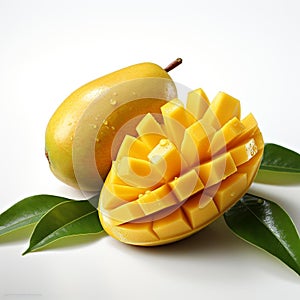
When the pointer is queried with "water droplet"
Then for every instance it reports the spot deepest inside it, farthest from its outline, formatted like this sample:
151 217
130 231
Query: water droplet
105 122
115 93
113 127
232 194
113 101
133 93
94 126
175 178
71 138
163 142
97 140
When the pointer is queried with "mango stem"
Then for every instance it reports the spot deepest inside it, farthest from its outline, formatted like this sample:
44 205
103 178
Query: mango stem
173 64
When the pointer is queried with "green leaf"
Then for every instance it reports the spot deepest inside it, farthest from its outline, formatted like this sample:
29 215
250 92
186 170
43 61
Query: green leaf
27 212
64 220
279 166
266 225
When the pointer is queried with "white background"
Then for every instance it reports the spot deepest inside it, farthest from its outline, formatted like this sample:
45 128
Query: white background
249 49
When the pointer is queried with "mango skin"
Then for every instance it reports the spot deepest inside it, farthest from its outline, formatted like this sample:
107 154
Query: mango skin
78 125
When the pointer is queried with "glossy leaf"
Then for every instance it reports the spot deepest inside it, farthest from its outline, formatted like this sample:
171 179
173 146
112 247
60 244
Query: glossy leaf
67 219
266 225
27 212
279 166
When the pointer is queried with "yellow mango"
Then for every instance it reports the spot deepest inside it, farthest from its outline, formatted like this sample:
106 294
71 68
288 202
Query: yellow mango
138 172
149 125
195 146
166 157
226 134
150 140
174 224
156 200
133 147
197 103
83 135
176 119
230 189
138 233
222 109
244 152
250 125
203 163
217 169
199 211
186 185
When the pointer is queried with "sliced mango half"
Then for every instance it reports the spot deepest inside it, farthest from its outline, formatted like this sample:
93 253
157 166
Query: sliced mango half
179 174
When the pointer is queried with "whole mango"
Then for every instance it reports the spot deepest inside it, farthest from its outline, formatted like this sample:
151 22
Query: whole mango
79 136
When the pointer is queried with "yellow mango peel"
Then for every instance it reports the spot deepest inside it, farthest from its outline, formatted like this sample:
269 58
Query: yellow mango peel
181 171
80 134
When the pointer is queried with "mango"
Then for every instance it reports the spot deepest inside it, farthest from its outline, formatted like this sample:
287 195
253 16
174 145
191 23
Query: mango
82 136
179 174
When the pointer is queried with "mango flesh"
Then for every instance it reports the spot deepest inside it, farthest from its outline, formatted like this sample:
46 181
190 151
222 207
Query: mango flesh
80 134
197 163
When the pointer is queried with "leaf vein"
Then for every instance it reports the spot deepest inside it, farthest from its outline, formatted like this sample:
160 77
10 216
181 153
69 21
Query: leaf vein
37 246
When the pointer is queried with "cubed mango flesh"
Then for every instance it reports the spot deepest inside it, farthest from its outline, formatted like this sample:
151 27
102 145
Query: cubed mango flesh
197 103
180 174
